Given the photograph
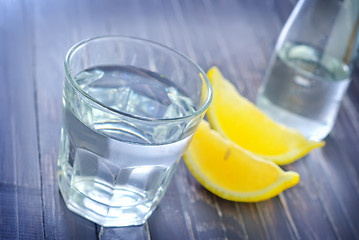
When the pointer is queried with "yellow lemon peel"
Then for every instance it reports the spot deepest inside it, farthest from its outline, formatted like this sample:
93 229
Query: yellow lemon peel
241 121
231 172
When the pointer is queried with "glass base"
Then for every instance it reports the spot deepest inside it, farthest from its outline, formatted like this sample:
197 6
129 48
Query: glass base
107 215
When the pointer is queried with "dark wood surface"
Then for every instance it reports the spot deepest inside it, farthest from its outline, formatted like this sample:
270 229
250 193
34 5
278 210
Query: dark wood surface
236 35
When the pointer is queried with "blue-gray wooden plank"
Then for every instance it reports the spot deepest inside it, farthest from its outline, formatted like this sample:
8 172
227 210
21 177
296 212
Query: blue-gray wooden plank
238 36
20 188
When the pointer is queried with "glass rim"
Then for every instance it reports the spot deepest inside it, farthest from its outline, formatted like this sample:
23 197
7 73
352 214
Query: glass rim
203 107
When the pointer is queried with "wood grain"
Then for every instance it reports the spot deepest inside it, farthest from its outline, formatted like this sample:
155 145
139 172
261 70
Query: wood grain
238 37
21 213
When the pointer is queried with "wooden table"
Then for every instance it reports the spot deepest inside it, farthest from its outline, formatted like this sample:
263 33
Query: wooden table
237 36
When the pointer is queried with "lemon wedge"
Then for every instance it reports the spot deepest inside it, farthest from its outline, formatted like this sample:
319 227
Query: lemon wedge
241 121
232 173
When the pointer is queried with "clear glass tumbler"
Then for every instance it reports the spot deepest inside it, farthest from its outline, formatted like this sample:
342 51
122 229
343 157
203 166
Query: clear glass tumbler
311 67
130 108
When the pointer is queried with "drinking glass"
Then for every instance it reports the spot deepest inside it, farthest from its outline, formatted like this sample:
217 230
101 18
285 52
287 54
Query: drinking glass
311 66
130 108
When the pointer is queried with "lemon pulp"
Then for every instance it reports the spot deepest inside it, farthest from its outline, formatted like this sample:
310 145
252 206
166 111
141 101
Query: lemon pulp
231 172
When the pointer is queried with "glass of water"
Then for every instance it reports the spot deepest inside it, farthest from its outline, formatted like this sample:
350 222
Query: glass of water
311 67
130 108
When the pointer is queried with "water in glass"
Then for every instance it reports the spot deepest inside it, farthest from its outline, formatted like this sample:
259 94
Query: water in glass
115 171
303 89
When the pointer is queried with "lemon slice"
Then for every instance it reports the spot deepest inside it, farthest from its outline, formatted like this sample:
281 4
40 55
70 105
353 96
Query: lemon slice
242 122
232 173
